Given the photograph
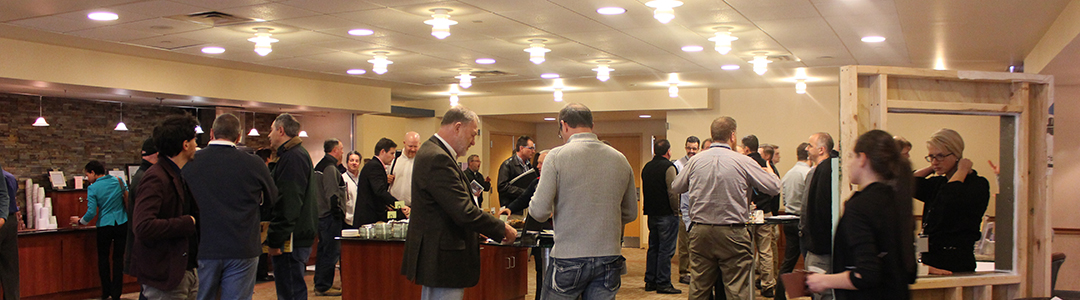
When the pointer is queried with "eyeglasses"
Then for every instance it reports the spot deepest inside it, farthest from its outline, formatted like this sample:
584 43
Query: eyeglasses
939 157
530 147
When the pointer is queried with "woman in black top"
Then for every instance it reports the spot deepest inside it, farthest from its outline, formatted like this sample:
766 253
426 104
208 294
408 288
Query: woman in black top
954 204
874 251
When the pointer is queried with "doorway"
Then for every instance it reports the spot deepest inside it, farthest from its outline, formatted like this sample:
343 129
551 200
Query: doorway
630 147
501 148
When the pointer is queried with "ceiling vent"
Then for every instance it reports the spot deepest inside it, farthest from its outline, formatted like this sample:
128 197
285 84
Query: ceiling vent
780 58
213 18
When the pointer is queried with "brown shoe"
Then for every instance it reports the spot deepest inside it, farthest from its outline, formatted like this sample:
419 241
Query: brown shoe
330 292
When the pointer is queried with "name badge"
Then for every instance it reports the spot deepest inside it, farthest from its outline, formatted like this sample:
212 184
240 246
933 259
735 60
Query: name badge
391 215
399 204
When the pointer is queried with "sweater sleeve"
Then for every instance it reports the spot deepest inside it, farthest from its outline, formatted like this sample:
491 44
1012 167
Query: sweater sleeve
862 242
630 197
543 202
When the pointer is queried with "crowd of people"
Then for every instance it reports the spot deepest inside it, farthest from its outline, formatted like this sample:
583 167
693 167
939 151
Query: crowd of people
201 223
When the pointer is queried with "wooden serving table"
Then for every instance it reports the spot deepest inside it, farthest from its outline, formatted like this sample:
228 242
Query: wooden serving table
371 269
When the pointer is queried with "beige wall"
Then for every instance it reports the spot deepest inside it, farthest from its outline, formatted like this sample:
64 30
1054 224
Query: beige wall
777 116
1065 188
323 126
371 128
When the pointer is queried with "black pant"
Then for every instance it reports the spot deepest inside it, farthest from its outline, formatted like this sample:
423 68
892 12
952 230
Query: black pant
792 251
9 257
111 273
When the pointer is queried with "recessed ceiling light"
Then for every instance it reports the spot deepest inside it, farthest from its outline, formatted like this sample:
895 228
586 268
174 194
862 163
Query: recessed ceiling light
361 32
611 10
873 39
549 119
485 61
729 67
213 50
549 76
102 16
356 71
258 20
645 116
693 48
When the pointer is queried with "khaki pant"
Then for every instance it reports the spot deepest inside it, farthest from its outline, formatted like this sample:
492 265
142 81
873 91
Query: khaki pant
684 250
187 290
765 236
714 248
819 263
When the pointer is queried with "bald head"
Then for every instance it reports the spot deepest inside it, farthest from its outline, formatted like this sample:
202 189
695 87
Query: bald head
411 144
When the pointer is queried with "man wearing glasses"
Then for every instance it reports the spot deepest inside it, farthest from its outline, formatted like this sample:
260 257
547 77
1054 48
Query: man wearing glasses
510 185
816 223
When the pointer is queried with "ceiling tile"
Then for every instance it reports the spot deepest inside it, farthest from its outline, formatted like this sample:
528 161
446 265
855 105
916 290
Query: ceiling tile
496 26
637 14
222 4
320 22
330 6
616 43
501 6
166 42
829 8
155 9
348 45
215 35
774 9
556 20
297 63
800 35
112 33
163 26
299 50
58 24
269 12
25 9
305 37
395 3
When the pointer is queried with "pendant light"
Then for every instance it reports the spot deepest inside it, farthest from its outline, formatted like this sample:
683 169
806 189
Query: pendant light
558 87
536 50
263 40
465 78
380 62
198 127
723 39
40 122
253 132
761 63
800 80
665 11
673 85
440 22
603 72
120 126
454 94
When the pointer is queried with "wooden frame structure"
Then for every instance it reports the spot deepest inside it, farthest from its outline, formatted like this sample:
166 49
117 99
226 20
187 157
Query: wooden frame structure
869 93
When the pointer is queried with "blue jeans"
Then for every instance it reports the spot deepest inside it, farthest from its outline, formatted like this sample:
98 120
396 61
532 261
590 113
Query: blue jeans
439 293
329 251
234 278
588 277
663 232
289 274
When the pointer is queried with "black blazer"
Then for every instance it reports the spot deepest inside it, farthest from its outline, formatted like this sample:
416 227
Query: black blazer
164 234
509 170
442 248
372 194
470 176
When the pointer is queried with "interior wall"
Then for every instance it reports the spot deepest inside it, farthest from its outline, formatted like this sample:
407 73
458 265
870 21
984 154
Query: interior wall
323 126
370 128
1065 190
484 146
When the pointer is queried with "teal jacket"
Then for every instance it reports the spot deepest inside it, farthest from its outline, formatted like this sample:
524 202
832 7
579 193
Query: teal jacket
106 194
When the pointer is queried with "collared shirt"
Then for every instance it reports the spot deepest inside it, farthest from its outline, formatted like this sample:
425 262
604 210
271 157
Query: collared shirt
684 198
720 183
452 152
524 164
221 143
351 180
794 188
402 187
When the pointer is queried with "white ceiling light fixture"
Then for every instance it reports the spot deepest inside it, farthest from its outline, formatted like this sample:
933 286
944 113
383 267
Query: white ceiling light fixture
302 133
198 127
665 11
611 10
549 76
263 40
380 62
549 119
761 63
673 85
40 122
356 71
440 22
730 67
103 16
644 116
603 72
873 39
693 48
558 87
454 94
253 132
120 126
800 80
536 50
465 78
485 61
213 50
361 32
723 39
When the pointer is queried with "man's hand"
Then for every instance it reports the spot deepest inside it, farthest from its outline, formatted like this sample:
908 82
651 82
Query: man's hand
274 251
73 220
510 236
390 179
478 193
487 179
996 168
406 210
505 211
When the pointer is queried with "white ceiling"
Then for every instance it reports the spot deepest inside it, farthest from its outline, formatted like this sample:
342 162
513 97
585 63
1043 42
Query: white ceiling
819 34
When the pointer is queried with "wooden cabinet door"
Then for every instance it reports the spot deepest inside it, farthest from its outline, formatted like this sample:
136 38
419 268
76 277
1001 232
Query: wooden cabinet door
516 279
80 263
67 204
39 265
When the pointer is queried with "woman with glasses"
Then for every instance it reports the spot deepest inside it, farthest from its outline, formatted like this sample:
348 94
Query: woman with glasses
955 199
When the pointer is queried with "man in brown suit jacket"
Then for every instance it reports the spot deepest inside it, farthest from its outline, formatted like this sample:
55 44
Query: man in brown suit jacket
166 239
442 250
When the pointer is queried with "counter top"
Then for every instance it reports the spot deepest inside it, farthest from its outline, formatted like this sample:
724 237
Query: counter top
58 230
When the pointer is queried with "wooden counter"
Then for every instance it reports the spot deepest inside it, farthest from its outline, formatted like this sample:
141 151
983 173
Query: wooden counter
61 264
371 269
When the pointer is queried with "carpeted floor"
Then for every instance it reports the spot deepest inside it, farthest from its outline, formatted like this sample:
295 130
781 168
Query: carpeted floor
633 285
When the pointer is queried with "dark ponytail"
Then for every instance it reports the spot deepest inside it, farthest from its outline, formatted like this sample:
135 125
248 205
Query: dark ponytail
885 160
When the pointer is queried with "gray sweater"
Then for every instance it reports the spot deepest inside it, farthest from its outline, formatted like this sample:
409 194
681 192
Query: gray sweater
589 187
